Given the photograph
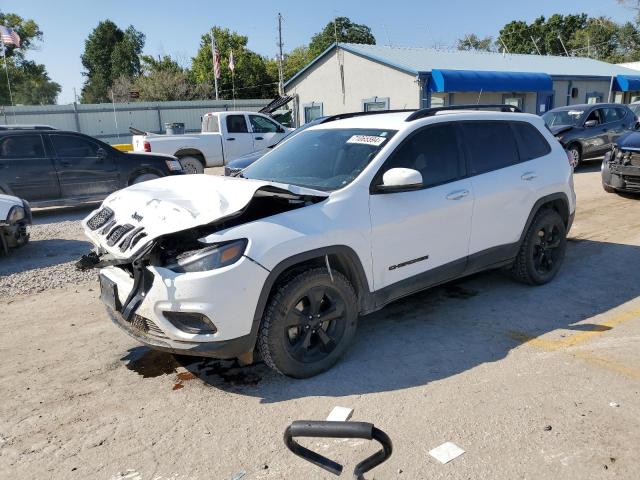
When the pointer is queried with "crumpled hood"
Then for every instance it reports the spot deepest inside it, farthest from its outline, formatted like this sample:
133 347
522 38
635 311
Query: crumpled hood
130 218
558 129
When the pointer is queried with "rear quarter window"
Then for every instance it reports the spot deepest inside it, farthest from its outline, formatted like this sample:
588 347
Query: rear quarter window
531 143
490 145
21 146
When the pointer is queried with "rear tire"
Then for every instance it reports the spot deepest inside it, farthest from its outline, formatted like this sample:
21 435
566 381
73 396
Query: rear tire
543 249
144 178
191 165
308 323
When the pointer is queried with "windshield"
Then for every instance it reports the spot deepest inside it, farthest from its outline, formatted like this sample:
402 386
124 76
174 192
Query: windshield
635 108
563 118
321 159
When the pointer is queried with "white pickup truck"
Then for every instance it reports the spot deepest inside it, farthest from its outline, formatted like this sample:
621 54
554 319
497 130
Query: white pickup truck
225 136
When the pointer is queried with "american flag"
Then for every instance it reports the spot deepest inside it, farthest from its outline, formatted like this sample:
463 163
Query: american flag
9 36
216 57
232 65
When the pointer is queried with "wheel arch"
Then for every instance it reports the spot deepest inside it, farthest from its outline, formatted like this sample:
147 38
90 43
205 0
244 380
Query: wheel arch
341 258
556 201
191 152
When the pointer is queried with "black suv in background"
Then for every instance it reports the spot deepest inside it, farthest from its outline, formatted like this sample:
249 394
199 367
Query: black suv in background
51 167
588 131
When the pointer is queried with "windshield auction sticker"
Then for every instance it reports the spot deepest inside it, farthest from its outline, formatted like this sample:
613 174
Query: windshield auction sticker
367 140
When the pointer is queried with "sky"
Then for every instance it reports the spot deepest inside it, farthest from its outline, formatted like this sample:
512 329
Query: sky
175 27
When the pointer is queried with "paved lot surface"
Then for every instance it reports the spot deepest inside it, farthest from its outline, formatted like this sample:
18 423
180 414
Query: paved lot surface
531 382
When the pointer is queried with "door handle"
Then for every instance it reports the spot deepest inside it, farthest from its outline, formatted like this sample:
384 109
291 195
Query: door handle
65 164
231 138
259 138
527 176
457 195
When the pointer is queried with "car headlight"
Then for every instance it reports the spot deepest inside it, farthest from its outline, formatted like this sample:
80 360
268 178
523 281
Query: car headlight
174 165
16 214
208 258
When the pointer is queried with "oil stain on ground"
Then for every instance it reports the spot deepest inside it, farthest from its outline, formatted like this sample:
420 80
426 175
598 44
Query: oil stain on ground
151 363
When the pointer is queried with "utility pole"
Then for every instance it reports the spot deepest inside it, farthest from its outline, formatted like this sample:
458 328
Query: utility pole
280 58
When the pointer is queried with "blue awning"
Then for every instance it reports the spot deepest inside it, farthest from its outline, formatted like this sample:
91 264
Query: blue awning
627 83
475 81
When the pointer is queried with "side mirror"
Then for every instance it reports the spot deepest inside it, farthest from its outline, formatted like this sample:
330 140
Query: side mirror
591 123
400 179
281 130
101 153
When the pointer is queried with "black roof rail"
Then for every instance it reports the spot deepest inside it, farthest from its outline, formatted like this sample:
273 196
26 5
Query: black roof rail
26 127
430 112
342 116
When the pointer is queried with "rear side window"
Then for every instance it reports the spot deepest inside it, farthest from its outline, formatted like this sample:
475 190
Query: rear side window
433 151
211 124
237 124
491 145
531 143
612 114
73 147
21 146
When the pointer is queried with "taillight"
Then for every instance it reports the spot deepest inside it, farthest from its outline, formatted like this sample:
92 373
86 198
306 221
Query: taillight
147 147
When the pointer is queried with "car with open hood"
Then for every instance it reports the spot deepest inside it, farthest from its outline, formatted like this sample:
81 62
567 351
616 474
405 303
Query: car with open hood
334 223
15 218
588 131
621 165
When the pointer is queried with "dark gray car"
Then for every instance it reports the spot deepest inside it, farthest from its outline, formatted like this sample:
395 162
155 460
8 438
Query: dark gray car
588 131
49 167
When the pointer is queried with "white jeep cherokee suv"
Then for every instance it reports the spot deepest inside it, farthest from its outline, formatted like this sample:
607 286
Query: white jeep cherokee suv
334 223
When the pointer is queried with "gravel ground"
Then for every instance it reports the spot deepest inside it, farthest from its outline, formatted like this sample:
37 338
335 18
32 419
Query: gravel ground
47 261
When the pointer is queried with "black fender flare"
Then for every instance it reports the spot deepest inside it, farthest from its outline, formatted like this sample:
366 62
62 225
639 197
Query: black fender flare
345 253
553 198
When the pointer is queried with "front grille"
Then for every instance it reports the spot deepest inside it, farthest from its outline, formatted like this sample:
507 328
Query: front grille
147 327
126 243
117 233
108 227
100 218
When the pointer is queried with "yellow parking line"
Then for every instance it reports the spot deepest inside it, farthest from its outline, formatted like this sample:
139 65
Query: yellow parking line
608 325
579 338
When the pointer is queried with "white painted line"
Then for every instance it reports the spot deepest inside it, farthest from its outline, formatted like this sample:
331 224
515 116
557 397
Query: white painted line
340 414
446 452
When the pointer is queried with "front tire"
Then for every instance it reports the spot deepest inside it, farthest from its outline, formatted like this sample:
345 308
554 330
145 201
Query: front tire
309 323
543 249
191 165
576 155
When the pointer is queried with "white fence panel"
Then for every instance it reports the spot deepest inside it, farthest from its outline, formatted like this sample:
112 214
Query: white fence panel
99 120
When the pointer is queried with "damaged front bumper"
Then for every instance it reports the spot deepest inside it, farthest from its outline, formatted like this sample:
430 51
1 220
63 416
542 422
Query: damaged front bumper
148 306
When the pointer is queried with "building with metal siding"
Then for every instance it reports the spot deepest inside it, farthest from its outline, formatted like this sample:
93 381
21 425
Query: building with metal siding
353 77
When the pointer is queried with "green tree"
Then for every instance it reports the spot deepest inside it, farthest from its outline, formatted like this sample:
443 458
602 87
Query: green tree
294 61
30 82
109 53
346 32
473 42
519 37
252 80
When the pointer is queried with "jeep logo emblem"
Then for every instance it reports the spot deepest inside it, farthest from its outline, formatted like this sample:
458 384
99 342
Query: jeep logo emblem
136 216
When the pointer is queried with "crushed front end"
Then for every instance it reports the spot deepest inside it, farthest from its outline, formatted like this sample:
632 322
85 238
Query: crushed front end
621 165
168 278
